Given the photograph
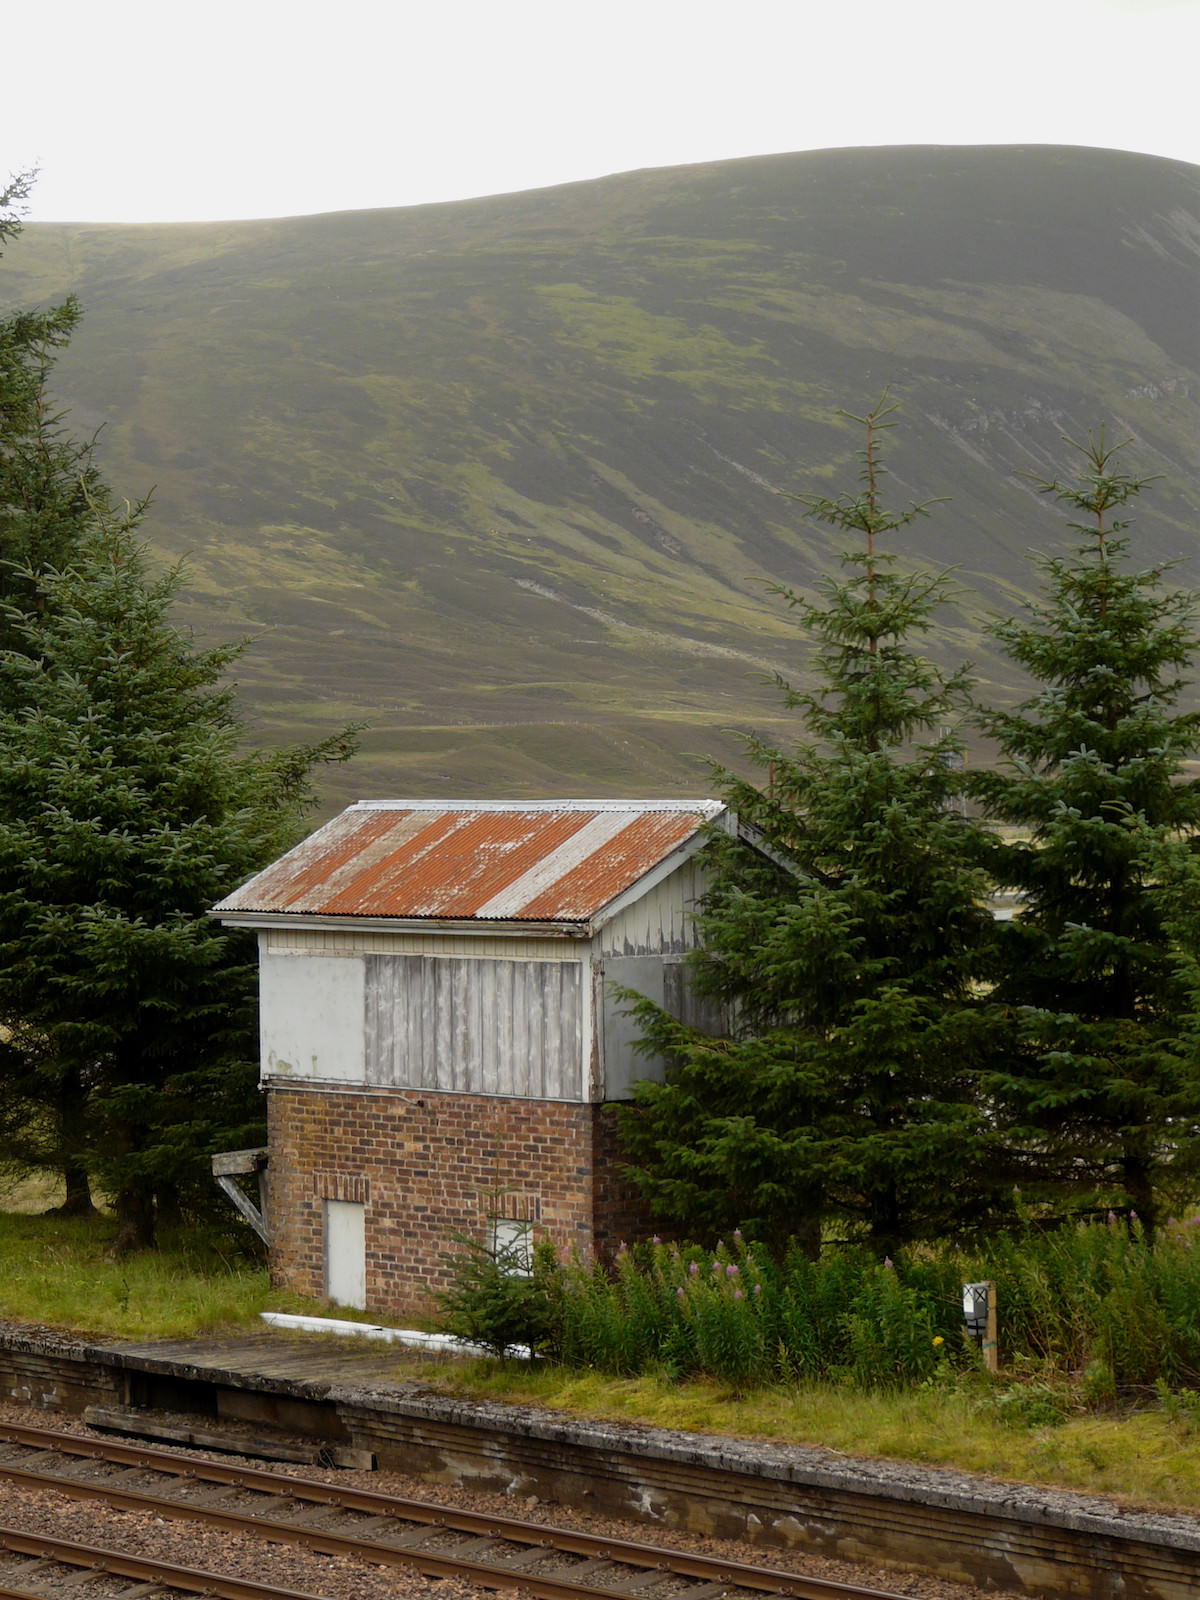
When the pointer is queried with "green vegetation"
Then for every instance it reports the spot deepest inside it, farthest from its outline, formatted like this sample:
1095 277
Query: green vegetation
1094 1089
1100 1339
1144 1456
369 432
1090 1312
844 941
61 1271
891 1062
128 806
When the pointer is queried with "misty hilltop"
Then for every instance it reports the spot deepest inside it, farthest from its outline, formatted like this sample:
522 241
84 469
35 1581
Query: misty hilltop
508 478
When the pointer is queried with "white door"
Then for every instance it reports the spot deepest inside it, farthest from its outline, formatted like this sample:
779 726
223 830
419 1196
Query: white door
345 1253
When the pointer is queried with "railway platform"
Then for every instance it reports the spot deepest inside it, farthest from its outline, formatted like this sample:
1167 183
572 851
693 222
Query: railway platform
968 1528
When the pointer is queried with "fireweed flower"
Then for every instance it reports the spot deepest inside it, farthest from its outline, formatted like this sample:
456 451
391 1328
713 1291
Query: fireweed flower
694 1269
758 1288
731 1271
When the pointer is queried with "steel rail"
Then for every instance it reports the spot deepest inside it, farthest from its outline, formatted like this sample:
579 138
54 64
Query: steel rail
432 1517
144 1570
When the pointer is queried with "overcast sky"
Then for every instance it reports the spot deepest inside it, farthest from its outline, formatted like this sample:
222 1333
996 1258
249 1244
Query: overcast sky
145 110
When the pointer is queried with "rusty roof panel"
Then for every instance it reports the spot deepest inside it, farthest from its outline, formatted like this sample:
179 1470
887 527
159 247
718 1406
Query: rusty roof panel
319 860
556 861
455 864
607 872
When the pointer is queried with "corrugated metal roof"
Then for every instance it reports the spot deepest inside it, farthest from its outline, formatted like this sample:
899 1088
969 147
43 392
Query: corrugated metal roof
501 861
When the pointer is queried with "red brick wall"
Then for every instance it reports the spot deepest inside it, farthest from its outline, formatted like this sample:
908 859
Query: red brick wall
620 1212
426 1166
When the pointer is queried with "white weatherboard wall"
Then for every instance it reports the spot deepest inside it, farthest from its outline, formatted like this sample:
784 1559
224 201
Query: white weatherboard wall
311 1016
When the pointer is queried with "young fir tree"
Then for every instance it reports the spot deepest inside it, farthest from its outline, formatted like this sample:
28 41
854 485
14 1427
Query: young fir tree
127 808
845 949
49 492
48 482
1091 786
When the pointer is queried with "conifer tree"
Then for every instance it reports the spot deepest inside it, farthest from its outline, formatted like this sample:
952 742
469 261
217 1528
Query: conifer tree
49 493
127 808
49 484
843 942
1091 786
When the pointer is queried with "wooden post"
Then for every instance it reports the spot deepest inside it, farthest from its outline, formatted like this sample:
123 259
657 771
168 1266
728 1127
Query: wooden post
991 1349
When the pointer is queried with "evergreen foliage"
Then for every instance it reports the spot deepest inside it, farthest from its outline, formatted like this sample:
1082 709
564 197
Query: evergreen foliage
843 940
1101 1094
127 807
48 482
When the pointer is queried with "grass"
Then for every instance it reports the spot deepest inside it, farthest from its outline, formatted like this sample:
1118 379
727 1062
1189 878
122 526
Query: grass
1141 1457
56 1272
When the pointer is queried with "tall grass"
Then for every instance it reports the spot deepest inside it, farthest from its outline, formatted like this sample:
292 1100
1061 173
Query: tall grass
1092 1306
57 1271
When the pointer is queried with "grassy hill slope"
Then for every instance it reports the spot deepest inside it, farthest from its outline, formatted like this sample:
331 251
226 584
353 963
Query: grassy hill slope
505 476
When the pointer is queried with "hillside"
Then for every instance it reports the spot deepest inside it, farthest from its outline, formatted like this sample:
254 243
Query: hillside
505 476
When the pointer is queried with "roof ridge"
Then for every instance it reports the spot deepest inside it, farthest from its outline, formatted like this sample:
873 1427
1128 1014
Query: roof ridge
702 803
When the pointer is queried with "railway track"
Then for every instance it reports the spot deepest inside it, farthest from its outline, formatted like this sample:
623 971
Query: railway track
33 1565
490 1551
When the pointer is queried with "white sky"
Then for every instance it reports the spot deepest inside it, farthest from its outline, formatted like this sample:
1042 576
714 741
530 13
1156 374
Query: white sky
143 110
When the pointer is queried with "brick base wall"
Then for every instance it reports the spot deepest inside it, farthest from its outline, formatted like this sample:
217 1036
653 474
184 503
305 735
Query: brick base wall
426 1166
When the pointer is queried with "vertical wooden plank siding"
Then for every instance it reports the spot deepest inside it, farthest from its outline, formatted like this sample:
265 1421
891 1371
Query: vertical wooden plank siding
474 1027
662 920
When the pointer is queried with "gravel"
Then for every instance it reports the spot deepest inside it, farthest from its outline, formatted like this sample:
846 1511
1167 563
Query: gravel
340 1578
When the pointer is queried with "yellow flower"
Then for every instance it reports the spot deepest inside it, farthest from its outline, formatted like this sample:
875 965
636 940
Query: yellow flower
937 1341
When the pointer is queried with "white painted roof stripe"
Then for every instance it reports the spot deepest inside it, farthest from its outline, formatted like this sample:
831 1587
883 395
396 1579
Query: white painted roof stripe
558 864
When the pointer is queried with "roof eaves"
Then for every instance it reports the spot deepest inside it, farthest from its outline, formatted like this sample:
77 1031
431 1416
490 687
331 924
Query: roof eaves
347 922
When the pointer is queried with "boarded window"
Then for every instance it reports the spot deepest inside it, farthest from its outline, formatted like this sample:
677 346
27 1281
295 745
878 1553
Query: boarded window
346 1253
511 1242
665 980
475 1026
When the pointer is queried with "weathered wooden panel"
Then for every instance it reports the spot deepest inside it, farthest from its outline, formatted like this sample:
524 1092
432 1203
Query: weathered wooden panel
663 919
474 1027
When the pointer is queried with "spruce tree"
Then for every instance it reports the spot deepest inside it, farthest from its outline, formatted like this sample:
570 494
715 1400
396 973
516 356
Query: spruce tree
49 485
50 491
127 808
128 805
843 942
1090 787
